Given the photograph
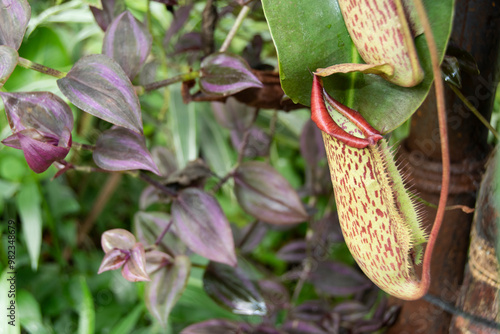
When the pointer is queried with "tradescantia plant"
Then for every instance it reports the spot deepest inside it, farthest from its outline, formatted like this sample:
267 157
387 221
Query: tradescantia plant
207 212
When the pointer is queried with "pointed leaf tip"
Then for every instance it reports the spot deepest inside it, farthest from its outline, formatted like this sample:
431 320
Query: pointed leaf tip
113 260
134 269
41 123
202 225
99 86
266 195
226 74
120 149
166 288
128 42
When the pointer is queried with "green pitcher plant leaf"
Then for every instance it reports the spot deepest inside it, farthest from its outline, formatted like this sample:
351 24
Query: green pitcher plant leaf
312 34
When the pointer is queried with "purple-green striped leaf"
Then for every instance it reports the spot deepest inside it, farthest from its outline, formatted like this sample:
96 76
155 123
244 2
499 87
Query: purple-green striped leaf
134 270
218 326
14 17
113 260
128 42
41 123
232 289
120 149
99 86
117 238
166 287
225 74
266 195
8 62
110 10
202 225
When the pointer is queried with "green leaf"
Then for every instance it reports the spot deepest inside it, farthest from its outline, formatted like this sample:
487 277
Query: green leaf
127 324
86 311
6 297
214 145
95 3
7 189
30 314
182 125
312 34
28 205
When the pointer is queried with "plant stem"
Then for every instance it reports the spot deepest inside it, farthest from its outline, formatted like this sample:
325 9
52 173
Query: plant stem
80 146
40 68
445 155
165 230
474 110
157 185
241 154
182 77
99 204
241 16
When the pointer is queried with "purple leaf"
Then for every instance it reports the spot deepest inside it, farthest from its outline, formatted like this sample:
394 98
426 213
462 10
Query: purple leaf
250 236
302 327
192 41
149 196
110 10
8 62
275 294
166 287
165 160
225 74
43 111
258 142
312 310
180 18
218 326
99 86
148 226
267 329
337 279
41 124
351 311
293 252
266 195
202 225
313 151
232 114
128 42
367 326
120 149
311 144
14 18
39 151
117 239
391 315
156 260
112 260
232 289
134 269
